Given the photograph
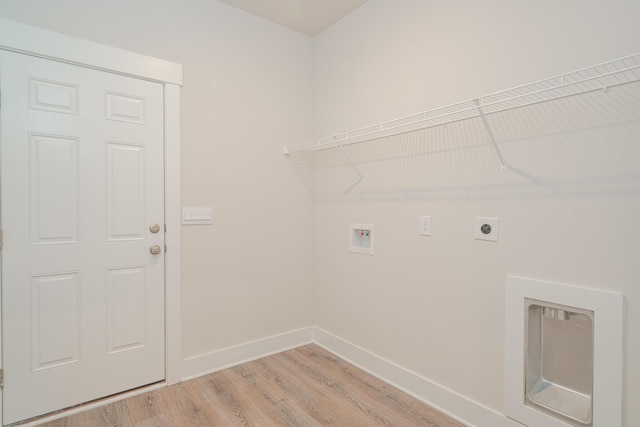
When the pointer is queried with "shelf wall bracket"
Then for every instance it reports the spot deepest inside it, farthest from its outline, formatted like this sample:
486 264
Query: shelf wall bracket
353 165
503 165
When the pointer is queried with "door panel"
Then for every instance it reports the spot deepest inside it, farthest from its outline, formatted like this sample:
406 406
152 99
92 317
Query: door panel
126 309
82 179
125 191
53 96
54 320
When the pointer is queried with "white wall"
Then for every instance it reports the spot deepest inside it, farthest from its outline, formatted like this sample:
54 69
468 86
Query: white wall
568 209
432 305
247 91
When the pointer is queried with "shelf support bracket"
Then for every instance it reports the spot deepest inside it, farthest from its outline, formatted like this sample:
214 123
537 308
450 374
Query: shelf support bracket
503 165
353 165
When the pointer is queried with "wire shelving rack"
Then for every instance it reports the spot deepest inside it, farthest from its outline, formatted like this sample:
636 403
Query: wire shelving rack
601 77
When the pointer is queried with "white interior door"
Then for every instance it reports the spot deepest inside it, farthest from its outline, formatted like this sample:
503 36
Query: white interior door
82 182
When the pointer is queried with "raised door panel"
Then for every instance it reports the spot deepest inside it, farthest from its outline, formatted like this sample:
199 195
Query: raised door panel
125 191
126 309
53 185
53 96
124 108
54 320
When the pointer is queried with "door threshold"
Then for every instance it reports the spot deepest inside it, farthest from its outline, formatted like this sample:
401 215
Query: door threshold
52 416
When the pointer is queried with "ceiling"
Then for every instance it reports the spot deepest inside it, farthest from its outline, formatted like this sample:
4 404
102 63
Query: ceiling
309 17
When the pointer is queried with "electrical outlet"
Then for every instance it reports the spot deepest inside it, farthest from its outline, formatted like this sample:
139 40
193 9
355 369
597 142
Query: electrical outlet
486 229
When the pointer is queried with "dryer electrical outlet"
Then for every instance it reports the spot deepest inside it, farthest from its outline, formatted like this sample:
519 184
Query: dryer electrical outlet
486 229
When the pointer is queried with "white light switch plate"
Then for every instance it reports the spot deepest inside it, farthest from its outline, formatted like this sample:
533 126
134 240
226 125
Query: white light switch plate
425 225
486 229
197 215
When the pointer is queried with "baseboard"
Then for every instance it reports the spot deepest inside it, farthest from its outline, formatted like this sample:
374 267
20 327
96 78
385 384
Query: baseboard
461 408
203 364
467 411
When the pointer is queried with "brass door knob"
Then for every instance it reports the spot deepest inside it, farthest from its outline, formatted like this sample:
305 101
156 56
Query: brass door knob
155 249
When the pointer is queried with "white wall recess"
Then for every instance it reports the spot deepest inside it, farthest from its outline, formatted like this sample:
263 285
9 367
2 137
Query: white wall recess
361 238
603 313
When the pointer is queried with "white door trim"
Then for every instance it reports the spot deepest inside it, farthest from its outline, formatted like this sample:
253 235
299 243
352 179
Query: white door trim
35 41
172 237
48 44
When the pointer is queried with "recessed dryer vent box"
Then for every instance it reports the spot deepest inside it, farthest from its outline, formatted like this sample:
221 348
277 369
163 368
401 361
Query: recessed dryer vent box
564 354
559 361
361 238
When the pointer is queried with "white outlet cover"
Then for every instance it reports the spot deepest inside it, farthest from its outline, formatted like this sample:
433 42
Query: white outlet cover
486 229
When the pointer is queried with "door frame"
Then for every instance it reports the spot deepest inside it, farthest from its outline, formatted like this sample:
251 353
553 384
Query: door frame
46 44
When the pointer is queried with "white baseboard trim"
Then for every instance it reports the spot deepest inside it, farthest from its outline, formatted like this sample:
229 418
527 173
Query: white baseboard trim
467 411
204 364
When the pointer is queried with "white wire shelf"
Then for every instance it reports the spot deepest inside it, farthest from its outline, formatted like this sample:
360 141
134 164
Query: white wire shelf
601 77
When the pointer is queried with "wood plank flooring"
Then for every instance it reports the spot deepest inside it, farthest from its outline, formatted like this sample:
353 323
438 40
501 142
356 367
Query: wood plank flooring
306 386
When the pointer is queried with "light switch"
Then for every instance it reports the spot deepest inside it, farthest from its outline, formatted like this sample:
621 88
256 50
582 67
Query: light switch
425 225
197 215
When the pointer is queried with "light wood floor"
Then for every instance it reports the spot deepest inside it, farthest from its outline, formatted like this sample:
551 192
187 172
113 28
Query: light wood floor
306 386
